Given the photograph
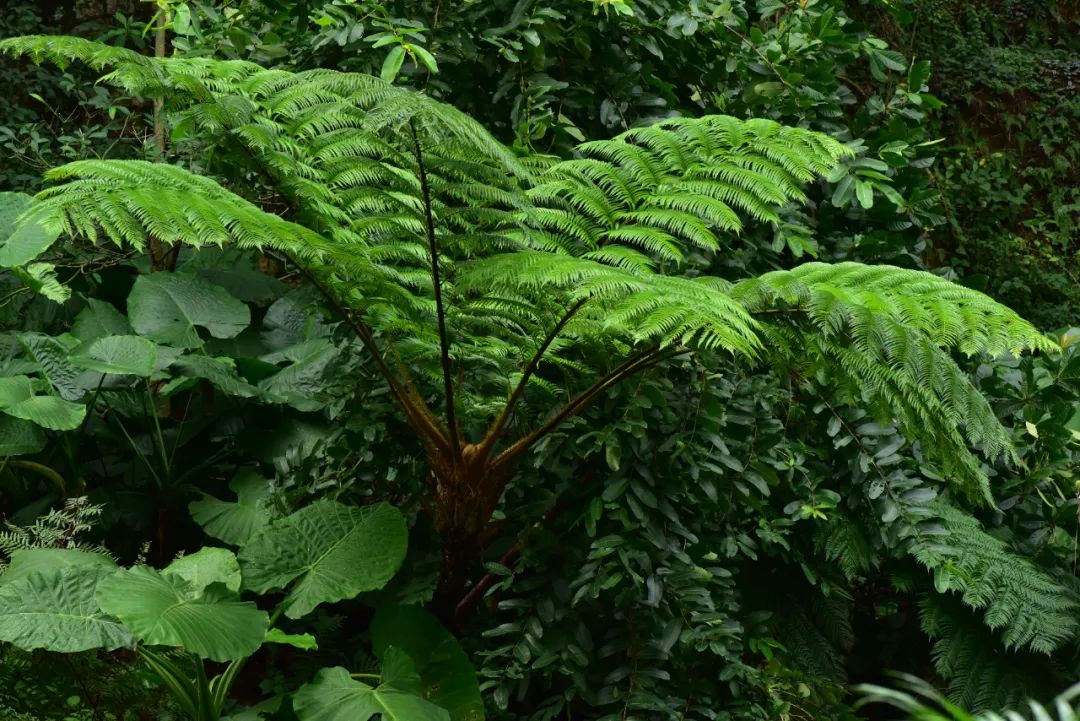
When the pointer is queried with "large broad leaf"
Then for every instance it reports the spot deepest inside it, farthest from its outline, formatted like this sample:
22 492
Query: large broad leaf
21 242
56 610
119 355
29 561
444 668
335 696
166 610
333 551
167 308
303 383
98 320
15 389
206 566
221 372
49 412
52 357
237 522
17 399
19 437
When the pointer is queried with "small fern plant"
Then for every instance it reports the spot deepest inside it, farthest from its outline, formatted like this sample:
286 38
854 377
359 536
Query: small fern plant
59 528
485 284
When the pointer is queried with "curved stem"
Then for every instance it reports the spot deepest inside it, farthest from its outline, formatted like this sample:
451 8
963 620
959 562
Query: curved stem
42 470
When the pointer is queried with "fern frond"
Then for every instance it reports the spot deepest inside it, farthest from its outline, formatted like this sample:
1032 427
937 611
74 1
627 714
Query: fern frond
1029 607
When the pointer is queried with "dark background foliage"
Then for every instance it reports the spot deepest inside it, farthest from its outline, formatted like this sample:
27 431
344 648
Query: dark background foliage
708 542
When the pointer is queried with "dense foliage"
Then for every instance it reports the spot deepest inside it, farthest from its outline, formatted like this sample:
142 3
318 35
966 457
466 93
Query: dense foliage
618 359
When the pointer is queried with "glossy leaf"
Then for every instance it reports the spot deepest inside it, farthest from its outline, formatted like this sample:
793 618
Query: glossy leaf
335 696
206 566
119 355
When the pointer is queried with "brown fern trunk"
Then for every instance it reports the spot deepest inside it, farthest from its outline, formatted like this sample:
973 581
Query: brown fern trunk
466 495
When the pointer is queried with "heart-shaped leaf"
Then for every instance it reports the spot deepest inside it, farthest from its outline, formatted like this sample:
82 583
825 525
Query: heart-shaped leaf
167 610
332 551
56 610
167 308
119 355
236 522
206 566
447 675
335 696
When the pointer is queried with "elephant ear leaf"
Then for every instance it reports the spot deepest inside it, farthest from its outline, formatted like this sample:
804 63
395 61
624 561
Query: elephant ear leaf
27 561
17 399
169 307
335 696
206 566
447 675
333 552
56 610
119 355
167 610
235 522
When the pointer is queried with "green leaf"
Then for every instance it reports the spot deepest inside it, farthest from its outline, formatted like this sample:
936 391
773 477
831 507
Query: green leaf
52 357
235 522
221 372
28 561
15 389
166 610
119 355
41 279
335 696
12 205
56 610
49 412
426 58
19 437
865 193
333 551
302 641
99 319
301 383
206 566
918 75
447 676
392 64
168 307
21 242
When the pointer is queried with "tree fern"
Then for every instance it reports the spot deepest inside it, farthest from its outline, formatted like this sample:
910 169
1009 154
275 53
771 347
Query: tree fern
472 275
